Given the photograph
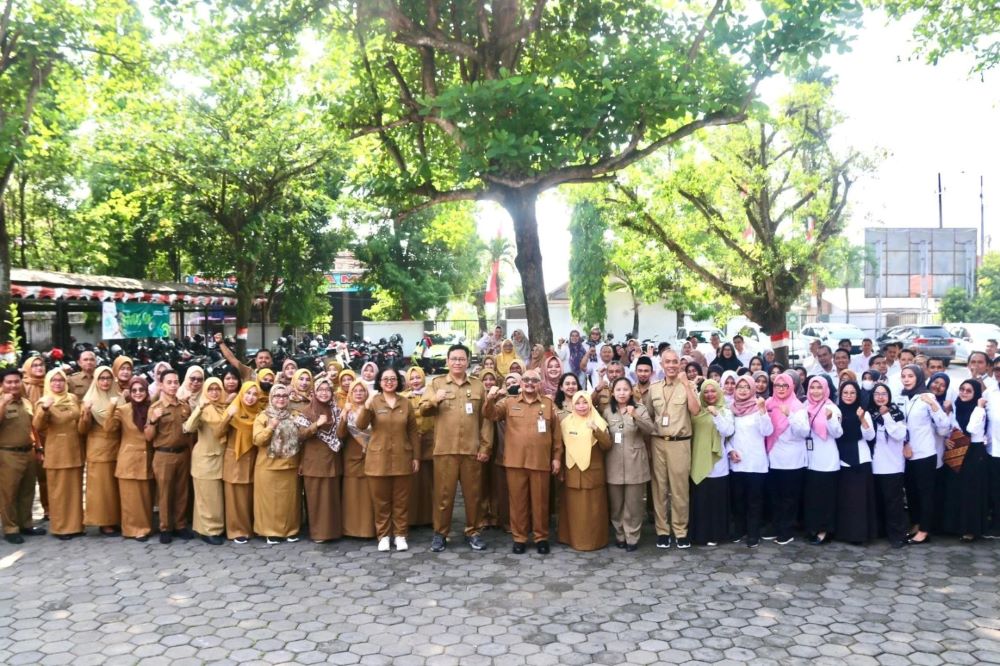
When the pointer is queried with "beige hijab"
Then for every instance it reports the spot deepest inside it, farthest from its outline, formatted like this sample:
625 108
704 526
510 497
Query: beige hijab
578 436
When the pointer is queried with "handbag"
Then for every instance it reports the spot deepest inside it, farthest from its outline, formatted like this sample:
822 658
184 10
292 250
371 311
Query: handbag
954 455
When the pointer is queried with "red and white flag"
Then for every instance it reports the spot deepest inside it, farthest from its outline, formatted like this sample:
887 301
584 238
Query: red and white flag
491 284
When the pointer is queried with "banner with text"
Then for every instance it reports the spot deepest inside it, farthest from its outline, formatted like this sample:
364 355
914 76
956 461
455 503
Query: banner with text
135 320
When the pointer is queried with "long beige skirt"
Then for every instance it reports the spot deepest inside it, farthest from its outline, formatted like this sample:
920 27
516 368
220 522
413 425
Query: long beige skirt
103 506
276 506
137 507
209 507
323 507
239 510
583 518
66 500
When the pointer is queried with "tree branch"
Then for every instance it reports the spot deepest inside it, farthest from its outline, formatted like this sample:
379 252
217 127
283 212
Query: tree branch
711 213
696 45
412 34
435 197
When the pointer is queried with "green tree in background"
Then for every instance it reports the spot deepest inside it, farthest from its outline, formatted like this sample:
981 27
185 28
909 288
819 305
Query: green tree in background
957 306
588 265
952 26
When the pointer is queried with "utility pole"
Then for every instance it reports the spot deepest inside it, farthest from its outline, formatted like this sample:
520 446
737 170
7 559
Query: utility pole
940 204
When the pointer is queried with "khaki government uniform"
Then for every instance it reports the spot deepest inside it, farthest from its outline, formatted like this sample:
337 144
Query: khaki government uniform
422 486
102 502
134 470
17 466
172 464
277 509
627 464
392 449
527 457
583 507
59 425
78 383
458 437
237 480
356 499
321 470
671 457
212 425
33 392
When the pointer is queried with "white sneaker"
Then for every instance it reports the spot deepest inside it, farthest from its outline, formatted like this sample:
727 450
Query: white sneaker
401 543
383 545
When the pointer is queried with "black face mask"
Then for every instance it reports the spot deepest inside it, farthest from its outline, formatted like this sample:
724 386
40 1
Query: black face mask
266 386
514 390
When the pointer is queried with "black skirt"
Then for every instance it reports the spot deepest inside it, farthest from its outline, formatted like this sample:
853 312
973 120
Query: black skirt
857 515
709 517
820 501
966 494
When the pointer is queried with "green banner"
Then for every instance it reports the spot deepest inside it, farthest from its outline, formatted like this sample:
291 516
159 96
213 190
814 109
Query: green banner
135 320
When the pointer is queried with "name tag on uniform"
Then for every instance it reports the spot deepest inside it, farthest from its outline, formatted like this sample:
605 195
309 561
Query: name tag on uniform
619 437
541 425
665 421
468 408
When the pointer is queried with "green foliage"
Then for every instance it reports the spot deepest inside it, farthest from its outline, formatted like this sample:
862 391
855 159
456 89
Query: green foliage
985 305
588 265
952 26
956 306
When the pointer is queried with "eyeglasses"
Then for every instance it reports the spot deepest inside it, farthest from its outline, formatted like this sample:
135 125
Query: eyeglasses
137 390
529 380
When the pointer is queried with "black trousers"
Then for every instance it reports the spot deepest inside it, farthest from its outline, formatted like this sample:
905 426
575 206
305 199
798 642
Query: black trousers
994 467
787 486
820 501
920 490
890 498
747 490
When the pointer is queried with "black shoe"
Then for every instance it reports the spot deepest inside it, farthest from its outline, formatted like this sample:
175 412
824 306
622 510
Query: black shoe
542 547
438 543
663 541
619 544
518 548
683 542
142 539
14 538
631 547
33 531
273 541
898 544
753 543
184 534
967 538
476 542
165 537
64 537
738 539
816 540
212 540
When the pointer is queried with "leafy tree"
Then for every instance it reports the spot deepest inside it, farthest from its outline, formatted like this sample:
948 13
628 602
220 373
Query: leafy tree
588 265
736 210
498 250
956 305
948 26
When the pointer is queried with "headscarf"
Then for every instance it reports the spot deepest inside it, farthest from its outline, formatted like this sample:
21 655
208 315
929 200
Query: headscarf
731 363
57 398
963 408
894 411
505 358
550 386
728 374
817 408
947 383
293 391
520 367
341 395
847 443
362 437
154 386
767 392
523 348
578 438
328 433
185 393
370 385
266 386
920 386
285 437
848 375
492 374
140 410
537 365
284 364
116 365
747 406
774 405
416 369
242 422
217 406
706 442
799 390
577 350
101 402
33 386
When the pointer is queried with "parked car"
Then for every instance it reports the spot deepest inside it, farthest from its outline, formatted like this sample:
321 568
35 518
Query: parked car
431 353
971 337
832 334
932 340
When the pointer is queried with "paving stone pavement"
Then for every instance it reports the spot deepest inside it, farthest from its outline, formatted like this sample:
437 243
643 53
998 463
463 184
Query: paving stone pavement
99 600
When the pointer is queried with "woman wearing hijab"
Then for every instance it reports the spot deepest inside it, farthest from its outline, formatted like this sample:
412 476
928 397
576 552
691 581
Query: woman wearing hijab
239 459
925 422
583 506
369 371
506 356
728 384
391 459
422 488
134 466
627 463
359 514
516 367
748 466
966 493
33 382
57 419
552 370
121 368
786 454
266 379
321 466
103 437
300 391
762 384
494 507
868 380
857 520
576 350
276 506
345 378
537 357
727 358
190 389
825 426
522 348
885 427
709 466
288 368
211 424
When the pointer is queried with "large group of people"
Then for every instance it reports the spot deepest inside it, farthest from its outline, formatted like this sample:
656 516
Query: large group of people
715 446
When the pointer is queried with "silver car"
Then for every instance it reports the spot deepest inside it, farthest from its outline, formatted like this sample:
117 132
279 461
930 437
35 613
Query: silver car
932 340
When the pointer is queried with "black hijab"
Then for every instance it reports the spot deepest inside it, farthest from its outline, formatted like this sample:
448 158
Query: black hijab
921 385
847 443
963 408
895 413
731 363
947 383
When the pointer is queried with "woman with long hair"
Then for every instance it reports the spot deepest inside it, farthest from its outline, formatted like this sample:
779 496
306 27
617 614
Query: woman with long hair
627 463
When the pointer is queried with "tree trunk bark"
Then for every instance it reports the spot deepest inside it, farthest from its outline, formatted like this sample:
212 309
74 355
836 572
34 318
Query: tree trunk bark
5 297
520 204
772 320
635 317
481 310
245 274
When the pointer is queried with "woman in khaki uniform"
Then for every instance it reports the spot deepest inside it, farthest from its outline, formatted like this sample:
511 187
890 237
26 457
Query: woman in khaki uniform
422 488
277 513
211 423
627 463
103 433
583 507
57 419
32 383
300 391
134 467
495 503
121 368
321 465
392 457
345 378
356 501
238 462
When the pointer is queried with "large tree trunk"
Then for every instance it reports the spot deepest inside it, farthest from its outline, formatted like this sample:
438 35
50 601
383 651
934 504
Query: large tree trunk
5 297
772 321
245 279
481 310
635 317
520 204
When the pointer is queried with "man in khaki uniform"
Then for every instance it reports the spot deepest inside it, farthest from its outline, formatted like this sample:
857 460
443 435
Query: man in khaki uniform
17 461
671 403
462 443
611 373
171 457
261 360
532 450
79 382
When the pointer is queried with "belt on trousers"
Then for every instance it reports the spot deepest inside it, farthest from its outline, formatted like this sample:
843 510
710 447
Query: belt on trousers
170 449
678 439
18 449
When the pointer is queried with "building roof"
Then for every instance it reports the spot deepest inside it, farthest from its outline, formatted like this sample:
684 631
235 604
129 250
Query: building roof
51 285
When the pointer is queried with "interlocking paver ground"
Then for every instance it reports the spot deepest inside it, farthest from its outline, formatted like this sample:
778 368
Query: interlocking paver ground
107 600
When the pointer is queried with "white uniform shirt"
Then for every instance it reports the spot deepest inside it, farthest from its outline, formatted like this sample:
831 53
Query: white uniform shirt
789 452
724 424
924 425
747 439
825 457
889 439
993 421
859 363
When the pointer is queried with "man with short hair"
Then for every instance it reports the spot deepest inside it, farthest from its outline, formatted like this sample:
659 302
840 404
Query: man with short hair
891 358
824 361
463 439
261 360
598 375
79 382
715 343
532 452
859 362
980 369
601 397
643 376
845 344
841 361
17 460
991 349
171 457
742 352
671 403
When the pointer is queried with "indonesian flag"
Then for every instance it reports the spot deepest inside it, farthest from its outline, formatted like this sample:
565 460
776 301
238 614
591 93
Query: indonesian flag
491 284
748 234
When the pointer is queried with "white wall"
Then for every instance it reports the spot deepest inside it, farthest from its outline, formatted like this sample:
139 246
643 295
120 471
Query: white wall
655 320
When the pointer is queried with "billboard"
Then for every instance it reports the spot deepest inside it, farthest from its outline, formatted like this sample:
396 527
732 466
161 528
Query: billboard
134 320
916 262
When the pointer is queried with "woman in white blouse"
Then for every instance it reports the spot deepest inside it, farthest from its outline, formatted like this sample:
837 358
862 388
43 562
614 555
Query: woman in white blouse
747 454
786 455
825 427
886 424
925 421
